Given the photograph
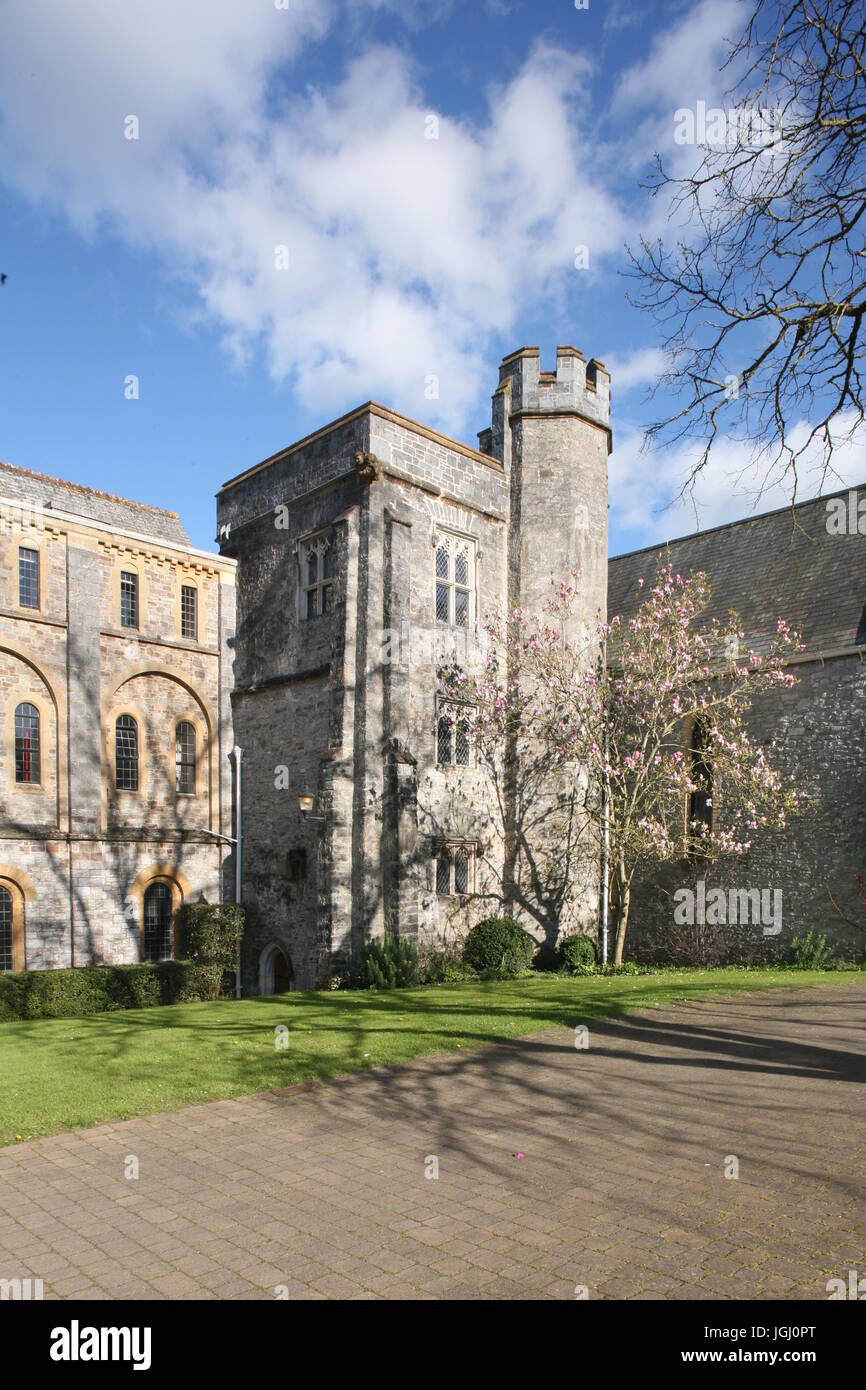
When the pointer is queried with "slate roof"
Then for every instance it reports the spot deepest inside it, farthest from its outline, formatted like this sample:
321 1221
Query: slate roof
783 564
28 487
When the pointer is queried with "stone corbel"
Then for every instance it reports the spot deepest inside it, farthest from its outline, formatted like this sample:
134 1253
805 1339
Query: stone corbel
368 467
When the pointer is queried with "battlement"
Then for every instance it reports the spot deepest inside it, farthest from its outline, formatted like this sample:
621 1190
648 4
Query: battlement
575 385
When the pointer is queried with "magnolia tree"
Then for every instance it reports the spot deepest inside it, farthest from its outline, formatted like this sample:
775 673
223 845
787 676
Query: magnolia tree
652 713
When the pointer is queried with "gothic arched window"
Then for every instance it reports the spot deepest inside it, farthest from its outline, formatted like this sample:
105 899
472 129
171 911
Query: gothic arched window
444 742
461 872
12 954
455 869
317 576
455 564
443 873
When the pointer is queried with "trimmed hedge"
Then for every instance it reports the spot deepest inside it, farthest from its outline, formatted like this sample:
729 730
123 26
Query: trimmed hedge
578 954
499 947
208 932
94 989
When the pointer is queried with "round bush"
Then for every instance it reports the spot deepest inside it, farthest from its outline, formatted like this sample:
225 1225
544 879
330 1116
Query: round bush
578 954
499 946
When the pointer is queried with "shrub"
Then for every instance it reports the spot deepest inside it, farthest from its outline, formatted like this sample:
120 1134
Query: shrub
94 989
578 954
328 982
208 932
389 964
627 967
811 952
498 948
443 965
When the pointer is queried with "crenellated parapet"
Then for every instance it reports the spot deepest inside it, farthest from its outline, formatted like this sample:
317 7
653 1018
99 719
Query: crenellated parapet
576 387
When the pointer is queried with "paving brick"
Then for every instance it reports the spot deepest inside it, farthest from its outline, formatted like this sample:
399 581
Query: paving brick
328 1224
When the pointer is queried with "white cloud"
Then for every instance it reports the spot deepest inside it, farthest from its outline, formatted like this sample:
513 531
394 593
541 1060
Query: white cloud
641 367
645 487
406 254
683 61
684 65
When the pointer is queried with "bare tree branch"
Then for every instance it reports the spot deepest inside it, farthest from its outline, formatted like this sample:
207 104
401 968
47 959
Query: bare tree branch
762 302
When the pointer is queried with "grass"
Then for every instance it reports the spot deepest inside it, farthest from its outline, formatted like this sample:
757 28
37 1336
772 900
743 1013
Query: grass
66 1073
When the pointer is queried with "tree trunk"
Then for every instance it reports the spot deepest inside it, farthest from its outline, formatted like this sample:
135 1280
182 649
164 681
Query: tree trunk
623 893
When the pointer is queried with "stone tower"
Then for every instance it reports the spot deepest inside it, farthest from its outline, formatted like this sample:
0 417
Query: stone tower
551 432
368 554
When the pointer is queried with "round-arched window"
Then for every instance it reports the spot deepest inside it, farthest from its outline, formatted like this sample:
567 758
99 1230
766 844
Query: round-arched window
27 754
184 758
157 933
7 931
126 754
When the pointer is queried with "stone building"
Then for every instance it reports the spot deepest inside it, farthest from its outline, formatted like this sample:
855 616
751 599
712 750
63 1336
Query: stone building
115 669
807 566
367 556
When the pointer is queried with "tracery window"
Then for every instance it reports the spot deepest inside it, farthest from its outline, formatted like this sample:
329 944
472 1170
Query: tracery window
455 869
455 579
317 577
453 747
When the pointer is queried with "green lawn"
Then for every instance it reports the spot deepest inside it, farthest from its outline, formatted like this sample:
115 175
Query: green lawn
65 1073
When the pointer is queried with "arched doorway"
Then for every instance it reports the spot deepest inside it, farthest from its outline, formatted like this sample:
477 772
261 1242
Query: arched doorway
275 971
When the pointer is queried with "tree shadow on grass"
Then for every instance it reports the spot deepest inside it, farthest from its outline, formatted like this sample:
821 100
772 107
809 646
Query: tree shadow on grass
371 1040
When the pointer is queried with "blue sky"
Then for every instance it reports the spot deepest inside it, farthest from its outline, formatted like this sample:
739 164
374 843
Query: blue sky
306 127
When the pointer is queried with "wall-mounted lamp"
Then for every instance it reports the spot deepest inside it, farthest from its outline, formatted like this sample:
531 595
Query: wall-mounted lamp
305 806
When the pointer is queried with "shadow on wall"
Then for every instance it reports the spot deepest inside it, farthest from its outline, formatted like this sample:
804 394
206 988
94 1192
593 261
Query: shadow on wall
126 853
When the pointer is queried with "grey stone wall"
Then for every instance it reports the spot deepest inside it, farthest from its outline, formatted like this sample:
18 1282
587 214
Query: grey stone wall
820 727
347 702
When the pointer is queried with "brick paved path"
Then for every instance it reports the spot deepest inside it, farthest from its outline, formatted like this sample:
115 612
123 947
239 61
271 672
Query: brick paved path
621 1187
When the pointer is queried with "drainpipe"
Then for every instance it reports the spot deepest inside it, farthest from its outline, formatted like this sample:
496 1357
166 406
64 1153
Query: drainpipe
239 833
605 857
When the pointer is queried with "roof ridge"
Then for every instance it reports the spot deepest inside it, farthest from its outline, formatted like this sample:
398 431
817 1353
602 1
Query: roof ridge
89 491
739 521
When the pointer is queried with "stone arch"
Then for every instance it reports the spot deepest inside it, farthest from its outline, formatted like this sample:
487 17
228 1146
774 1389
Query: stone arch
22 893
150 668
180 888
117 700
270 973
56 699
